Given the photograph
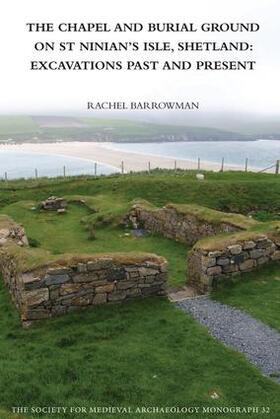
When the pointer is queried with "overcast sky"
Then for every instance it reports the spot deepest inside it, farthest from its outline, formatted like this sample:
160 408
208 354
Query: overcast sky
23 91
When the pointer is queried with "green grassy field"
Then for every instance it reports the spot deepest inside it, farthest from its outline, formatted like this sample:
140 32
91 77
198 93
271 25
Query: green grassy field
241 192
66 234
258 293
144 353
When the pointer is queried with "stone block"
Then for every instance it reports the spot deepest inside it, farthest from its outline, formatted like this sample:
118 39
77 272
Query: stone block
223 261
269 250
66 289
142 271
256 253
117 274
102 263
263 243
215 270
163 267
262 260
133 292
235 249
161 277
37 314
31 282
215 254
58 310
35 297
105 288
4 233
125 285
208 262
82 267
143 285
59 270
117 296
240 258
150 279
276 255
247 265
154 290
134 274
54 291
86 277
82 301
100 299
230 268
249 245
56 279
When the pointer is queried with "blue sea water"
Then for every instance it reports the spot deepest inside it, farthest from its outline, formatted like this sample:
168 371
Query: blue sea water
22 165
260 154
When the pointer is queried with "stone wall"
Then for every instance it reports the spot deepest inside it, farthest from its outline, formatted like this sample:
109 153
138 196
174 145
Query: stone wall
62 287
209 266
11 232
185 223
76 281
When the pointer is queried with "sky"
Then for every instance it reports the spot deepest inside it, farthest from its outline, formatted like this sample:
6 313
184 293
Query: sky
29 92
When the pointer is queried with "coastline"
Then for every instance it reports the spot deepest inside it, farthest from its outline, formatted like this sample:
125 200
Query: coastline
101 153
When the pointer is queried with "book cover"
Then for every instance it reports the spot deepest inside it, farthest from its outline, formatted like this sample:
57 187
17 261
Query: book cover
139 209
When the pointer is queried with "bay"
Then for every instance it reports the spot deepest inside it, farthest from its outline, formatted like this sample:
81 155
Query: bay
260 153
22 165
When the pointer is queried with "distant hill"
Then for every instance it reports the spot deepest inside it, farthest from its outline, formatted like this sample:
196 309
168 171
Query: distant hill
61 128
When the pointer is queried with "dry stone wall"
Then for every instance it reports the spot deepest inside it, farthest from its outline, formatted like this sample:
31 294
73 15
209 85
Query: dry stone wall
224 256
75 282
60 289
11 232
206 268
171 223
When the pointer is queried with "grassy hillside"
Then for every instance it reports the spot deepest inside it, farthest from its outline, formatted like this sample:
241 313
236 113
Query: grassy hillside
23 128
14 125
246 193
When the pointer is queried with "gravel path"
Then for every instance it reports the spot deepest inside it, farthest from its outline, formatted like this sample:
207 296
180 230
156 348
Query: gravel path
257 341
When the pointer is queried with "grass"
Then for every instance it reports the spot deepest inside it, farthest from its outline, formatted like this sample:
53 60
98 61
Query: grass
230 191
146 353
258 293
271 229
59 234
208 214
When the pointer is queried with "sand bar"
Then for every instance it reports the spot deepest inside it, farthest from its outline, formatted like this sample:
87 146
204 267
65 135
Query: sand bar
101 153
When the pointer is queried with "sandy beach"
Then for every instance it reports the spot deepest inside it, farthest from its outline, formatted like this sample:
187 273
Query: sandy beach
102 153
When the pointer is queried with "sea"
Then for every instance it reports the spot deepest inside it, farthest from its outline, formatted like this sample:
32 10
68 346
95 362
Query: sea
260 154
18 164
